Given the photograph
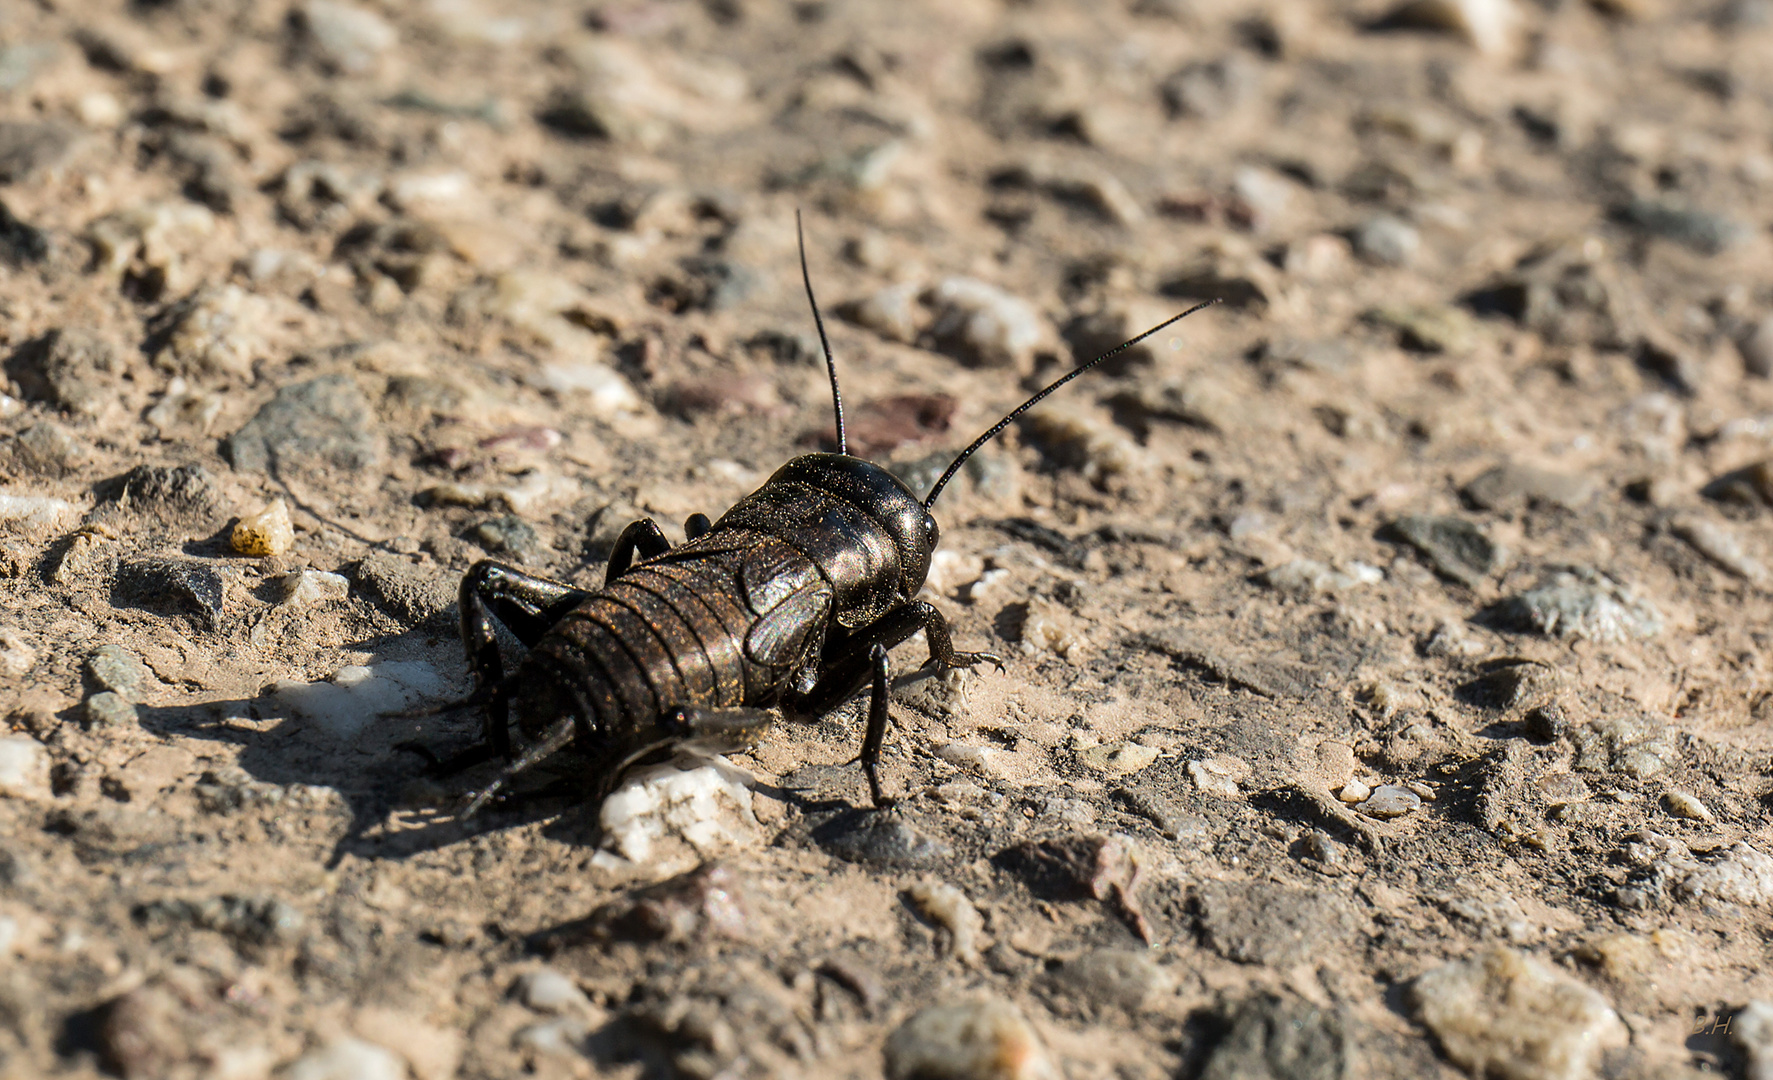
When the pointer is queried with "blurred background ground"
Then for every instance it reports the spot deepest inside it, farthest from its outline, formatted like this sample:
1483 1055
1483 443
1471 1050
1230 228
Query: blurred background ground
1388 678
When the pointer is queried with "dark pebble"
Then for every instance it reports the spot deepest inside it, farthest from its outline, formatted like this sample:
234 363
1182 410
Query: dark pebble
27 147
21 244
878 838
75 370
1456 548
1274 1037
1705 233
324 421
505 535
170 586
1269 923
260 920
1122 978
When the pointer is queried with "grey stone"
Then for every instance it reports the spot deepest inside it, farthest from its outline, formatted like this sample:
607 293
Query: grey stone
114 668
1580 604
412 594
1634 744
74 370
1508 487
1756 347
547 990
1504 1013
260 920
1275 1038
109 709
1456 548
1703 232
321 422
28 147
21 244
1269 923
345 38
171 586
986 1039
1121 978
1387 240
1430 328
178 494
1390 801
48 449
1210 89
1511 684
509 534
878 838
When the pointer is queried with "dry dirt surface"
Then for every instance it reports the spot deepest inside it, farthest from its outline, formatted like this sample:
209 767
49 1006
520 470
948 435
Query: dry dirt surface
1387 683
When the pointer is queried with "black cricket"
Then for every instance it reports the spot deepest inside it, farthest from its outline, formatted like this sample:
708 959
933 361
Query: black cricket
789 603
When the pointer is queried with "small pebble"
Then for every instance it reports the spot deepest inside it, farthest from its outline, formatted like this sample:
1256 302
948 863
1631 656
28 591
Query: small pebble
1684 805
1487 25
1218 775
1582 604
1387 240
1504 1013
547 990
112 667
509 534
347 1059
986 1039
1703 232
1119 759
265 533
109 709
949 908
1756 347
982 324
878 839
24 767
16 655
1354 793
347 38
1389 800
1752 1030
307 586
1429 328
1721 547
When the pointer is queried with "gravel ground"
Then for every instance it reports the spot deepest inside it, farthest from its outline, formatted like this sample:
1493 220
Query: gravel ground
1387 688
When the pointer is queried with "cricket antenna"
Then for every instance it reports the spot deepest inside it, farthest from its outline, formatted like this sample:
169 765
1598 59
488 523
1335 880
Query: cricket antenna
843 442
954 466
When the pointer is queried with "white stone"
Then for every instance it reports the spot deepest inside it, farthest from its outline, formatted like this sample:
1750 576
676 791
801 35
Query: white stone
356 695
24 768
547 990
16 654
350 38
1507 1015
307 586
705 801
1752 1028
347 1059
35 513
985 324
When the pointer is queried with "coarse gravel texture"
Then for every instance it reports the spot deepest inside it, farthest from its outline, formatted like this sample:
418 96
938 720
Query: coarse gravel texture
1387 685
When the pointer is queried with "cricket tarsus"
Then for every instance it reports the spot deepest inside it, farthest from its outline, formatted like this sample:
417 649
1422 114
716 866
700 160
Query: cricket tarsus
954 466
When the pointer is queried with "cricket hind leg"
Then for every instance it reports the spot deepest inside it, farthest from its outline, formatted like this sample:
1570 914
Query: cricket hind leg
528 606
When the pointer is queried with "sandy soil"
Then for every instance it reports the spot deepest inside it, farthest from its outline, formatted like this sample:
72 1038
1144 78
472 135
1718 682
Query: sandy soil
1387 654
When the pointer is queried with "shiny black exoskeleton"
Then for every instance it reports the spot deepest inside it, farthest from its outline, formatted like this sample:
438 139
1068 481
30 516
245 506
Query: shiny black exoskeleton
791 601
788 604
